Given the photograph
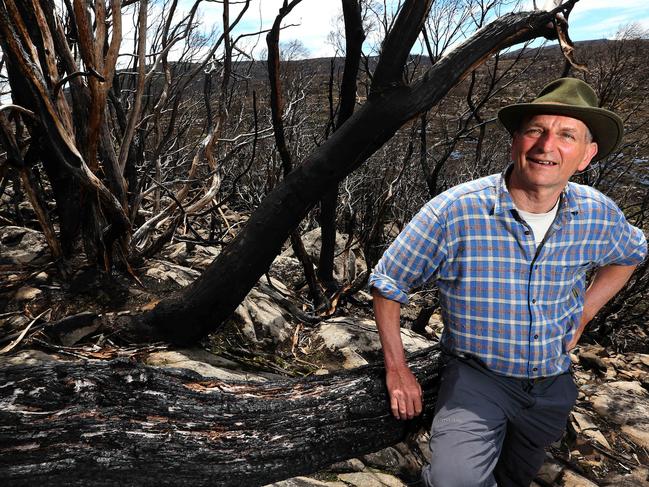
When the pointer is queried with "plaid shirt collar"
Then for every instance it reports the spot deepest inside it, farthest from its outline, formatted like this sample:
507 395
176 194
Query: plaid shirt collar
568 206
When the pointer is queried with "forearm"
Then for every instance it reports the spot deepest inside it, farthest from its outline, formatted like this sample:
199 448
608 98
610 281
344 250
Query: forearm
606 283
403 388
387 314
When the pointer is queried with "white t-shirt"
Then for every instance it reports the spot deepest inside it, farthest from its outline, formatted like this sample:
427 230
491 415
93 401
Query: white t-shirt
540 222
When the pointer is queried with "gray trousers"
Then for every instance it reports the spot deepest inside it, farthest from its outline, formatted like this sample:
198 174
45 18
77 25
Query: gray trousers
491 430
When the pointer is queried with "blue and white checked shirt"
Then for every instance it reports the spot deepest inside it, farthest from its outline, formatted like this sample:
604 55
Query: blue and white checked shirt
502 300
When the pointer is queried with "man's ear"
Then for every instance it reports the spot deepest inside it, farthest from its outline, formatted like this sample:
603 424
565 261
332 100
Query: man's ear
591 151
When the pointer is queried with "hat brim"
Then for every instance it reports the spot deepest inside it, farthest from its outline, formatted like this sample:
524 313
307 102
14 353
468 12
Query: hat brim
607 128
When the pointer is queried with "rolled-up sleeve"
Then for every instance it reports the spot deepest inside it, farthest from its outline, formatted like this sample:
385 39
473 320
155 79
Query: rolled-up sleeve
627 244
413 257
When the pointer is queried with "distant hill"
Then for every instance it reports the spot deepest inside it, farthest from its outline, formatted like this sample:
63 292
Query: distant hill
554 49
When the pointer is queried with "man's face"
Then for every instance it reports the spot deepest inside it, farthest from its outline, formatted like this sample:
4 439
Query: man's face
548 149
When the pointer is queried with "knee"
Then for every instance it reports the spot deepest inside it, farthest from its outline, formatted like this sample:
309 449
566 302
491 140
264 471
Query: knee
446 472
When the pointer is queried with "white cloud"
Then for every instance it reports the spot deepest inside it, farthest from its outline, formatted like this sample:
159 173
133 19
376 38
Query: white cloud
596 19
315 18
626 7
312 20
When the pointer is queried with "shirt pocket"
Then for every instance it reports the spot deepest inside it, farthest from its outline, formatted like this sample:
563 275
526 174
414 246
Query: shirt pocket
563 287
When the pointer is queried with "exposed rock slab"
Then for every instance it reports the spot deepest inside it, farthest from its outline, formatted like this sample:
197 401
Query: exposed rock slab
22 246
625 403
203 363
167 271
361 336
573 479
306 482
371 479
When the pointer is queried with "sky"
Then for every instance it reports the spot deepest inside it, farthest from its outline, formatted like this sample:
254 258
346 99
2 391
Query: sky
315 19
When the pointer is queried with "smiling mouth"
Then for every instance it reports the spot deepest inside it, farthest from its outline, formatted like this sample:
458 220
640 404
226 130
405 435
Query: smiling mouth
542 162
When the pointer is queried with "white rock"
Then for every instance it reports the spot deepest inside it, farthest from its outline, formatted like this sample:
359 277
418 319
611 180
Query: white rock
19 245
28 357
587 428
388 460
27 293
358 335
208 251
15 322
346 466
644 358
423 445
572 479
41 277
243 318
306 482
288 269
352 359
637 478
639 434
625 404
348 263
267 317
186 360
168 271
629 386
361 336
549 472
370 479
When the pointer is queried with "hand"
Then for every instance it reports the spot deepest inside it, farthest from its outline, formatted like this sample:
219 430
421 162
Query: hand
573 343
405 393
582 326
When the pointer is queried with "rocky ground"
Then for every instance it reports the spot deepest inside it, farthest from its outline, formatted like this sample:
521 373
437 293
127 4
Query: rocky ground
607 438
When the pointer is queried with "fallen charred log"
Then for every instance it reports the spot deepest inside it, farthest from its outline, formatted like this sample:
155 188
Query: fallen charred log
125 423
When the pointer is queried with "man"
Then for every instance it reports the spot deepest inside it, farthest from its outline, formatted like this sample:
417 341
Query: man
509 254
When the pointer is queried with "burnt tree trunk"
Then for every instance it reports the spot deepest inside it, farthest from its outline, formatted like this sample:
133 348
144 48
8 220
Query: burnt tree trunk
277 114
86 206
123 423
354 37
204 305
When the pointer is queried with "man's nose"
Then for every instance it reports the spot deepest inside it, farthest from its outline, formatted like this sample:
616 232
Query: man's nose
546 142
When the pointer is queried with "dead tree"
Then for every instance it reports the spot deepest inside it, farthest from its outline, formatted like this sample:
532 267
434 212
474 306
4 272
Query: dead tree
89 133
122 423
204 305
354 37
277 111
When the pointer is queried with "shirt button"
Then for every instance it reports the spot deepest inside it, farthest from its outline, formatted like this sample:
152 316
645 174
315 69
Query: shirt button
534 301
527 232
535 369
536 337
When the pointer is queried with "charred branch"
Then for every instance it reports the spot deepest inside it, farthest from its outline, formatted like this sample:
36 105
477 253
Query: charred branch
204 305
107 423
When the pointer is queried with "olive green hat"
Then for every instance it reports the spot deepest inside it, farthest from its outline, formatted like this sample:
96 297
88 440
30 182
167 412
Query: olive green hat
573 98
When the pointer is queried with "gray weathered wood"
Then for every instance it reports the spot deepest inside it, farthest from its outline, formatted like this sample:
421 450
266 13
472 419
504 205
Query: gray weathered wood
124 423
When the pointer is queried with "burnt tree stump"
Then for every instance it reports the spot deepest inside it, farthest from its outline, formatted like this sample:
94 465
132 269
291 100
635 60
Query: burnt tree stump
124 423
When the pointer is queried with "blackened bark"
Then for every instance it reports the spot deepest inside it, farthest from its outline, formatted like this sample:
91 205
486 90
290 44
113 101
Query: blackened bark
277 113
204 305
354 37
121 423
328 205
64 189
397 44
76 187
